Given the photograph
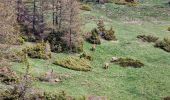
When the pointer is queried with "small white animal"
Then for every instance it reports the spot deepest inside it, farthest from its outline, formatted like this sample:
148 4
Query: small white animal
106 66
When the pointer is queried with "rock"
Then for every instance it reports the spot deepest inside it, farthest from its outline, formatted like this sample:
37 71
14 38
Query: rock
57 80
114 59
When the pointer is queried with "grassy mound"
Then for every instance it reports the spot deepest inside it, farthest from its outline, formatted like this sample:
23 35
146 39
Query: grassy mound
128 62
74 63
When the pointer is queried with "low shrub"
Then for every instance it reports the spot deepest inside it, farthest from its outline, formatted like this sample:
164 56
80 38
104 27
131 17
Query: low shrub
128 62
164 44
121 3
7 76
55 41
77 45
168 28
93 48
40 51
130 1
29 37
74 63
126 2
57 96
86 56
86 7
147 38
15 56
166 98
20 41
109 34
33 94
94 37
61 96
132 4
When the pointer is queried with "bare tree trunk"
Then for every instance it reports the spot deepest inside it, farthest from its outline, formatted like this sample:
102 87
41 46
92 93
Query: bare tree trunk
34 9
53 15
18 10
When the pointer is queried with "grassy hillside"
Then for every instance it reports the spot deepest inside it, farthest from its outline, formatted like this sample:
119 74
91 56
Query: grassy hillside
151 82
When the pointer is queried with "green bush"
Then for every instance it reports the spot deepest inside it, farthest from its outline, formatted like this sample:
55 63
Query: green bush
132 4
40 51
147 38
128 62
86 56
164 44
54 96
74 63
85 7
55 41
59 42
109 34
94 37
29 38
19 56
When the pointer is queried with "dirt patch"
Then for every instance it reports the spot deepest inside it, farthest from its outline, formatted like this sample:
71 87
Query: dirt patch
51 77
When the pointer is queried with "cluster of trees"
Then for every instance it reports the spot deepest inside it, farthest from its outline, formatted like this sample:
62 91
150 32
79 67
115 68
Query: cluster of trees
38 18
41 17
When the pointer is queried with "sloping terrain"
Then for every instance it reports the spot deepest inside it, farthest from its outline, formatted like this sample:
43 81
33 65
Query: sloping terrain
151 82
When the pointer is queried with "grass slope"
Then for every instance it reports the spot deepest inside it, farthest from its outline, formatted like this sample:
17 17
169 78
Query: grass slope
151 82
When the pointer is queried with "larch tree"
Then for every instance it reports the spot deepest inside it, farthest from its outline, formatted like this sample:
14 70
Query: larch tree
31 17
72 22
8 27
